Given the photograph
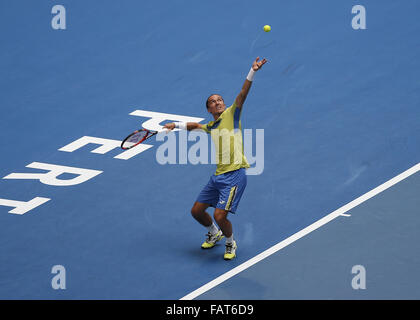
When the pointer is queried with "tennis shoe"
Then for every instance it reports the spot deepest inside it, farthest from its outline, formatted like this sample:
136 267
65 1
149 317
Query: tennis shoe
212 239
230 251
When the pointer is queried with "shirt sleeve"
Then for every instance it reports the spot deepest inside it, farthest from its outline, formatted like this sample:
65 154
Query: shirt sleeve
205 128
232 108
235 115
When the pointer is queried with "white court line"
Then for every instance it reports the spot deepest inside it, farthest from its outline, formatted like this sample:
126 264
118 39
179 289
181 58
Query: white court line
302 233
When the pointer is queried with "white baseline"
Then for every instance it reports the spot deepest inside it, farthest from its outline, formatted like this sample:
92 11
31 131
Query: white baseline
302 233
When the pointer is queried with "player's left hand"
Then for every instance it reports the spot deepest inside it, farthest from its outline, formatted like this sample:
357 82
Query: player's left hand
257 65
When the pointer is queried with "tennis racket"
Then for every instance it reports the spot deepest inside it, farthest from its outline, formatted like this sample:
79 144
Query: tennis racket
137 137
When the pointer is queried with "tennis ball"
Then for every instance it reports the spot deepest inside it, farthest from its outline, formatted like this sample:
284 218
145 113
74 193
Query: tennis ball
267 28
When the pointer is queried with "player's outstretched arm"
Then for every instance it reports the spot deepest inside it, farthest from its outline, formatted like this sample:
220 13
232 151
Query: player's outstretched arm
256 65
188 126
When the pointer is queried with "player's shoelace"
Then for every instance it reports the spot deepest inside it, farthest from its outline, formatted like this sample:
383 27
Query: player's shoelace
229 248
209 237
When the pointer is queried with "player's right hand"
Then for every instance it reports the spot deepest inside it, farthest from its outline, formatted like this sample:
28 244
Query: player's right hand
169 126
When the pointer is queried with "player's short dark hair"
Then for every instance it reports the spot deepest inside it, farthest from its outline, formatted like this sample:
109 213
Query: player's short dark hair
207 101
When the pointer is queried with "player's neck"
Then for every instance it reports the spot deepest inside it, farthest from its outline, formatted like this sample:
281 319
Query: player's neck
216 116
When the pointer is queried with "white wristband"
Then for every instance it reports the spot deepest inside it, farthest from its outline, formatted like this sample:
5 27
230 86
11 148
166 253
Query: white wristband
181 125
250 75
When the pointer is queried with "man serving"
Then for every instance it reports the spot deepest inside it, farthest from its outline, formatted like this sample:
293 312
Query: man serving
225 188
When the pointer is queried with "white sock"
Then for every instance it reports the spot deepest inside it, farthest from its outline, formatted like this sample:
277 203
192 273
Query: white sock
229 239
213 229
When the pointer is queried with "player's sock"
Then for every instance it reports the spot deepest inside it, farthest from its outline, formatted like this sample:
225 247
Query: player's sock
213 229
229 240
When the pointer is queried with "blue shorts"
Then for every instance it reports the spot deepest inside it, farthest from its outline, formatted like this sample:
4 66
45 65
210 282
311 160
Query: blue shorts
224 191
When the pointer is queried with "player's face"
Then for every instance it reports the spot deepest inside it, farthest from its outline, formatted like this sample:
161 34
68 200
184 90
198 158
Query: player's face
216 105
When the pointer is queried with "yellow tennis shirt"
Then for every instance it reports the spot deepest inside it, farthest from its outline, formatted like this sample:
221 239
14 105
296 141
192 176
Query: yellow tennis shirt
226 133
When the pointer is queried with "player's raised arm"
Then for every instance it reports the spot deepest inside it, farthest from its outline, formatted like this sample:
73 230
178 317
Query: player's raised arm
256 65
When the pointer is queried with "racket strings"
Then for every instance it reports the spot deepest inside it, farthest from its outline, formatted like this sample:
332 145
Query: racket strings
134 139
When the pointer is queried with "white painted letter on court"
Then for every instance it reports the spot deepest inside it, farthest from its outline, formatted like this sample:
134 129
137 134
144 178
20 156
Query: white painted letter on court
21 207
359 280
59 20
50 178
359 20
158 117
59 280
106 146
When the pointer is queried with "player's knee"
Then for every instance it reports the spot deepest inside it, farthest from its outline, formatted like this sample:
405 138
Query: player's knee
195 212
219 216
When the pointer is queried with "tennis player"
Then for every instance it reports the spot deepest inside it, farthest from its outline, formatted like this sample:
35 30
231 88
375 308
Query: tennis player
225 188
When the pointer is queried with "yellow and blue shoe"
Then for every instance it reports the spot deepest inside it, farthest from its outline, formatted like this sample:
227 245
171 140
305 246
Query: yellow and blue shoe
230 251
212 239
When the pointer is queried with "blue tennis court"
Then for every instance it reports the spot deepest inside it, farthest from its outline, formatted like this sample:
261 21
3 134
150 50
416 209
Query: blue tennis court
333 115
